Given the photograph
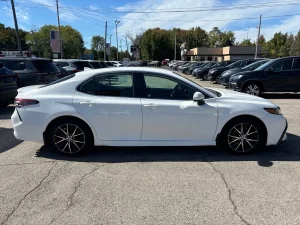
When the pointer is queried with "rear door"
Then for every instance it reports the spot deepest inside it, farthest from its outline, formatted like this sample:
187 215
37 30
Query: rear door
108 102
294 82
279 75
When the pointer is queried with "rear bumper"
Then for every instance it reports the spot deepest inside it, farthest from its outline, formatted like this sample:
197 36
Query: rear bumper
27 131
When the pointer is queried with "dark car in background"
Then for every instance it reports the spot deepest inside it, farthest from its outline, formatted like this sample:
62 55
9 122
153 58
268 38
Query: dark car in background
8 86
204 73
32 71
73 65
277 75
63 71
215 73
175 67
194 66
186 67
225 76
199 67
155 64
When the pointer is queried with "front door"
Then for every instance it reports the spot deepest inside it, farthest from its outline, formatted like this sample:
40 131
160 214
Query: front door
294 81
170 114
108 103
279 74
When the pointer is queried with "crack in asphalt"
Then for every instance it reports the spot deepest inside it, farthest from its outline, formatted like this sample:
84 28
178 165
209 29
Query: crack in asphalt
28 163
79 183
229 190
28 193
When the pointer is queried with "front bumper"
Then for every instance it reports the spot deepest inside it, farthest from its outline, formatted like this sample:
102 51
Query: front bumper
234 86
224 81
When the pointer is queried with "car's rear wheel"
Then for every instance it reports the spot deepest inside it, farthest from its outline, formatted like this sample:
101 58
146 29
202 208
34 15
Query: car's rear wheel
70 137
243 136
205 76
252 89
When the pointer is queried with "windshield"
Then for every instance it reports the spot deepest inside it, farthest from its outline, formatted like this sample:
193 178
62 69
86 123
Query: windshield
81 64
220 64
265 65
96 65
255 65
109 64
210 64
45 66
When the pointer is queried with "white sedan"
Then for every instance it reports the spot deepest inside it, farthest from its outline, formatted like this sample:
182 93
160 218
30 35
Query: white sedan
143 107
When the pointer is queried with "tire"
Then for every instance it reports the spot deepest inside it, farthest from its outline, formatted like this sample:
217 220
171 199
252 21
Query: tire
205 76
252 89
70 137
218 80
243 136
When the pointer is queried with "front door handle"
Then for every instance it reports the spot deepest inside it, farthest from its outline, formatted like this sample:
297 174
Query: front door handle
151 105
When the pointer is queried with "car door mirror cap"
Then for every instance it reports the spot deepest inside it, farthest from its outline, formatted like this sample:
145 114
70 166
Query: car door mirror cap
198 97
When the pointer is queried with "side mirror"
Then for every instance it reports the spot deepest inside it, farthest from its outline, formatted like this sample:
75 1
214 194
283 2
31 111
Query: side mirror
198 97
270 69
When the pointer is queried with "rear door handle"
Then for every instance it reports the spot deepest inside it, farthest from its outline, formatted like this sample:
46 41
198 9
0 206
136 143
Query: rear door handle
85 102
151 105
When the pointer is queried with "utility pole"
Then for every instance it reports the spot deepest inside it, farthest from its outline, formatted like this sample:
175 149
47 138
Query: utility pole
58 21
16 28
127 47
258 35
121 45
110 39
175 48
117 22
105 40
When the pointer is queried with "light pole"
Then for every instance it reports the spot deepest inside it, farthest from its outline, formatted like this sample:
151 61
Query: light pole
117 22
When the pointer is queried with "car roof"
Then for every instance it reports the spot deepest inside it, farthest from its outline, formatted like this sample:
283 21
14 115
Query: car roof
23 58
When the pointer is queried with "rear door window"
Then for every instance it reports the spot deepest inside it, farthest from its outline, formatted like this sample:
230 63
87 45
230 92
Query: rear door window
62 64
15 64
103 64
44 66
282 65
96 65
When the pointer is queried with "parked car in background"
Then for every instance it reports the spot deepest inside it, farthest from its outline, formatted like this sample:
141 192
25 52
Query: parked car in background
198 68
8 86
215 73
185 67
63 71
117 63
277 75
202 73
225 76
165 62
73 65
194 66
177 62
32 71
175 67
155 64
158 107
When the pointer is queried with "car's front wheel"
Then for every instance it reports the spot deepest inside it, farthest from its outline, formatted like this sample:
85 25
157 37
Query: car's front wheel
70 137
205 76
243 136
252 89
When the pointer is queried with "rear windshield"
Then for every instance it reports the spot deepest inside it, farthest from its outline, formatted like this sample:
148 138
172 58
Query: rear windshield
96 65
59 80
81 64
44 66
109 64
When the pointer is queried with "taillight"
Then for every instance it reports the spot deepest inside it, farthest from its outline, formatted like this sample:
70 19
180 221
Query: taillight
21 102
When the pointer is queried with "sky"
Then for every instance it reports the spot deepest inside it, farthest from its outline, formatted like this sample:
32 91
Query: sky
136 16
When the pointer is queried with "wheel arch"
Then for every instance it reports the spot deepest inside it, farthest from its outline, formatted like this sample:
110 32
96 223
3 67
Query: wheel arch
259 82
62 118
244 116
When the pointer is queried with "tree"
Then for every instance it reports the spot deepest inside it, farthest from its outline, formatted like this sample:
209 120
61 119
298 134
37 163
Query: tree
97 43
295 48
286 48
72 42
136 41
276 44
246 42
8 40
214 37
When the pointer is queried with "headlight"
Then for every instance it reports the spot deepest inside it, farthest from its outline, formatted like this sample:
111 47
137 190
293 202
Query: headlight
224 74
212 71
236 77
276 111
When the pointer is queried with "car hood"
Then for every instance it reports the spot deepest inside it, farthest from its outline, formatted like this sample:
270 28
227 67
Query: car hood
242 97
29 88
231 71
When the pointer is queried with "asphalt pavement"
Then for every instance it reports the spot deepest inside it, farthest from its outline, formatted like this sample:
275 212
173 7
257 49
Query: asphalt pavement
165 185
